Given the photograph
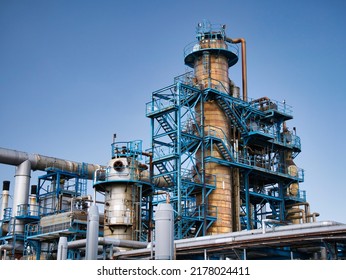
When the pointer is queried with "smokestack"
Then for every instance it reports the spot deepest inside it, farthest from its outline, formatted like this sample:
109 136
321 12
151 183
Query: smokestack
6 185
33 190
5 197
34 209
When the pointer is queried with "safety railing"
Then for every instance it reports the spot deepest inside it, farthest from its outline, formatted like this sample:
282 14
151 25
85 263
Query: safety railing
196 46
33 229
158 105
260 162
199 212
7 213
266 104
28 210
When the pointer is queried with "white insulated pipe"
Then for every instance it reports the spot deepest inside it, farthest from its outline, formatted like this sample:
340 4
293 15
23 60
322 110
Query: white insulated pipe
22 185
92 233
21 192
266 221
62 248
109 241
40 162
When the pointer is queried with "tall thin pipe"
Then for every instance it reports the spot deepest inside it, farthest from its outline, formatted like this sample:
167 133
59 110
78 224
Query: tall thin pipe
243 62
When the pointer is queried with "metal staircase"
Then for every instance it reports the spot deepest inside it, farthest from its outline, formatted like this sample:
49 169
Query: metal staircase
164 172
162 120
231 112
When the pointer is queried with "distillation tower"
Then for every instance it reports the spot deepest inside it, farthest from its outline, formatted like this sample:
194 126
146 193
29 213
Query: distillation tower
227 160
126 186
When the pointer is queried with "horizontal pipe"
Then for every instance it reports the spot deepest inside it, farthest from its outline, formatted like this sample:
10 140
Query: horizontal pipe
246 239
109 241
41 162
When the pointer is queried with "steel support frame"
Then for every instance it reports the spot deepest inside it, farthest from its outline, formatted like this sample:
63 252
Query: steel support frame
177 135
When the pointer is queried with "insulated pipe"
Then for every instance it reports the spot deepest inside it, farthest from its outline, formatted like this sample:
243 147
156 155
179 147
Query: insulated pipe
109 241
306 212
266 221
243 62
5 197
40 162
291 214
62 248
92 233
21 192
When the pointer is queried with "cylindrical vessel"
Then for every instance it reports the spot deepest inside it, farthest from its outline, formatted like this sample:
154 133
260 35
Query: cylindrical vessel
212 71
21 192
92 233
211 60
121 209
5 197
164 232
62 248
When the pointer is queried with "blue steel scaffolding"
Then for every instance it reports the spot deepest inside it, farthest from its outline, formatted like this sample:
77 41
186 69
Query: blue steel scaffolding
61 205
178 135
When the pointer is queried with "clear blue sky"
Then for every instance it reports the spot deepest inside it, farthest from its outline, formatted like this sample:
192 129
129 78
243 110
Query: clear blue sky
73 72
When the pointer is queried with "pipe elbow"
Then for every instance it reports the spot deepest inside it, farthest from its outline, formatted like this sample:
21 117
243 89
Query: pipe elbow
235 41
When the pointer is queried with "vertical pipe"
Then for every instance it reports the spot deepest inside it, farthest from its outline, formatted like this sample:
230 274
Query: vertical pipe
243 62
5 197
92 233
178 162
247 201
204 190
21 192
62 248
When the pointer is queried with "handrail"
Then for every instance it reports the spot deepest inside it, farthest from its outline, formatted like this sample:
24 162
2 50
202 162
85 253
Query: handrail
194 46
253 161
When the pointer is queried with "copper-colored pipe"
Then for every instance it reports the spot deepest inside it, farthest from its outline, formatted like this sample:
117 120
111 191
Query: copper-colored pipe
243 62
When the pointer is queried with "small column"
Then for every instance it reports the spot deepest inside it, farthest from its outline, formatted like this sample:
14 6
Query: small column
5 197
92 233
164 232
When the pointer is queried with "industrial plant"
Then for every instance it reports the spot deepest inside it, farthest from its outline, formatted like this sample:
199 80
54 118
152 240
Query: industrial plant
219 180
